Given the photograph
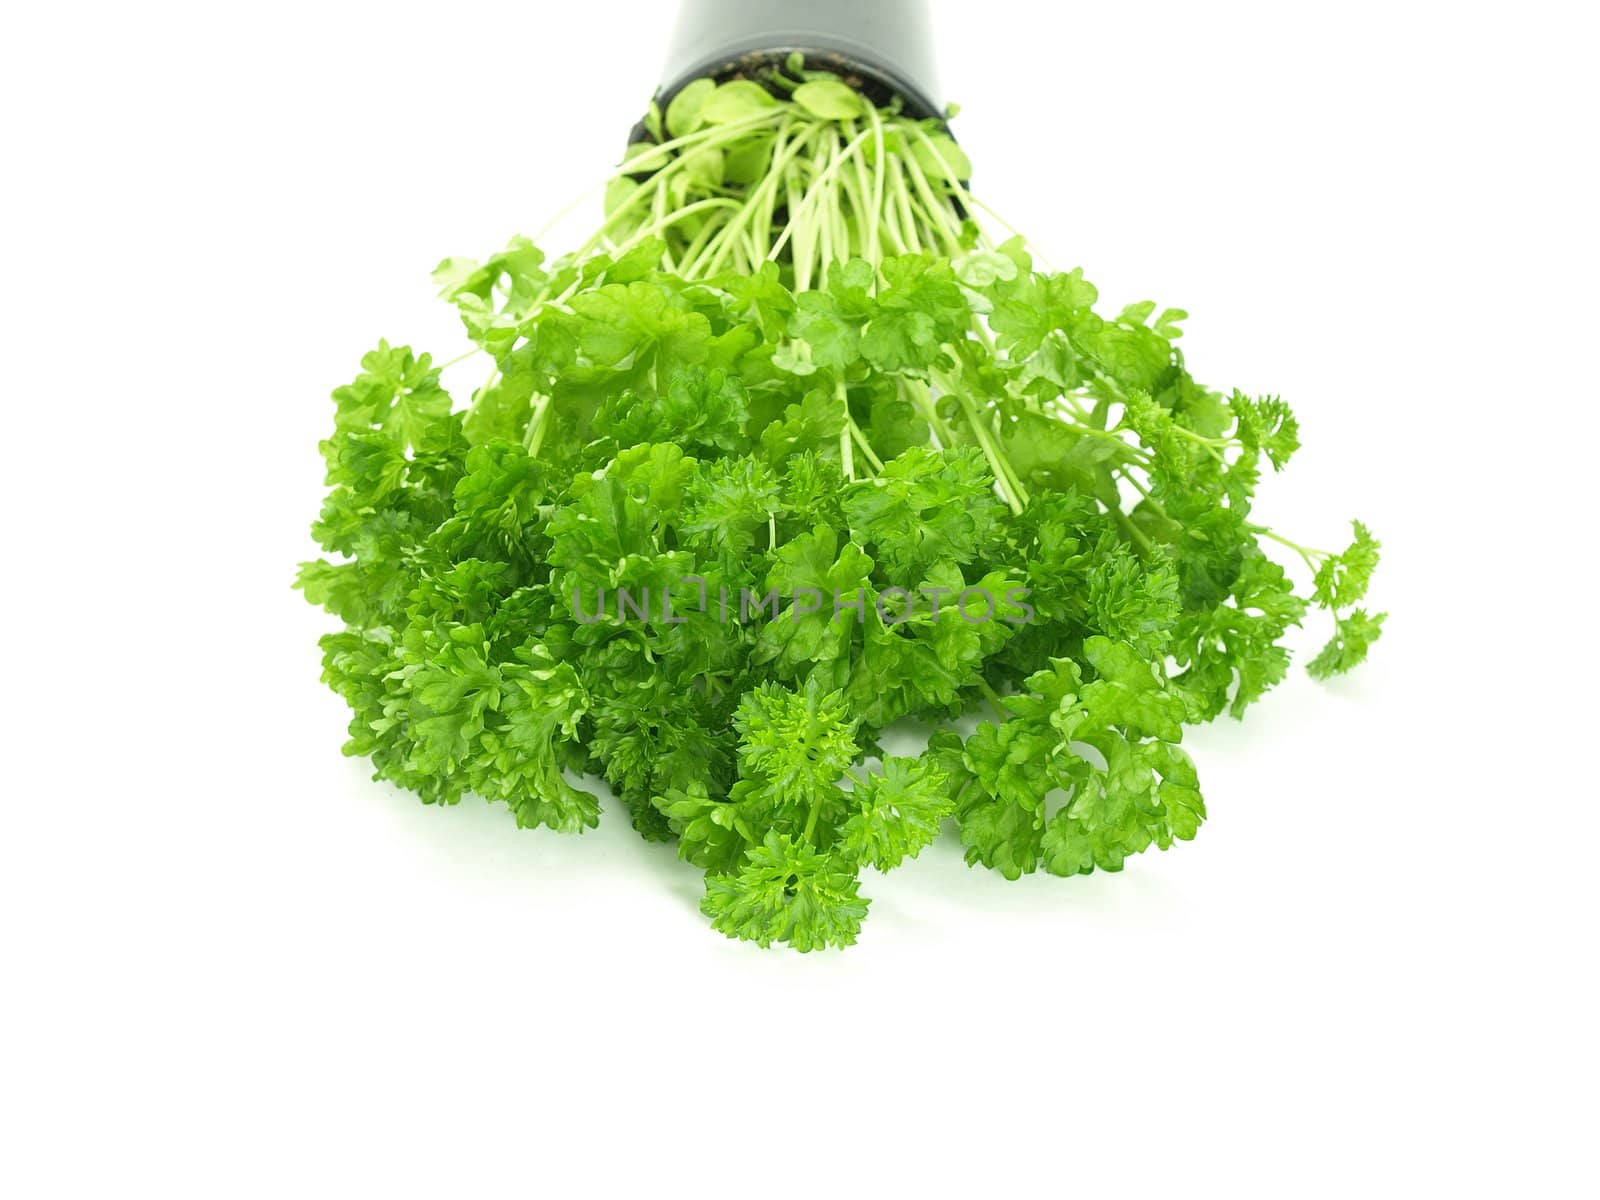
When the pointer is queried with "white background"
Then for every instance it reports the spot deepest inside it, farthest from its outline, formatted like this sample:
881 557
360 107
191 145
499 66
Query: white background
233 966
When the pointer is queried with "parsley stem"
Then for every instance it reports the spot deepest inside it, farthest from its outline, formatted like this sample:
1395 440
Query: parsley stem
1124 473
993 697
1080 426
967 199
785 151
1005 474
820 186
1010 486
1133 531
676 215
665 162
930 207
902 201
707 231
1309 553
534 438
877 176
459 358
846 446
866 446
922 401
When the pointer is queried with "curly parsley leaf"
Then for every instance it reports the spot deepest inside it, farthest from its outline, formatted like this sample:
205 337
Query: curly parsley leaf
788 453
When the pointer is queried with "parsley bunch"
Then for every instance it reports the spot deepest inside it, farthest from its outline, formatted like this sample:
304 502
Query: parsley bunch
791 451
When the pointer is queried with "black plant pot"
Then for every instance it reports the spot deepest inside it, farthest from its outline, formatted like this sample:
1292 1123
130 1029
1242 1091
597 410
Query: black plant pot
883 48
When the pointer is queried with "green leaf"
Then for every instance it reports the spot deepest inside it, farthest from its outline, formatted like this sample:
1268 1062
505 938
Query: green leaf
901 340
830 99
940 158
897 811
397 393
1348 647
926 508
824 584
737 100
785 891
1342 579
685 112
1266 425
795 742
638 321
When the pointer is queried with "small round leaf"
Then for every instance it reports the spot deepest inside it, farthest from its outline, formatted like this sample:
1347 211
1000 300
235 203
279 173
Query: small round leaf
830 99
